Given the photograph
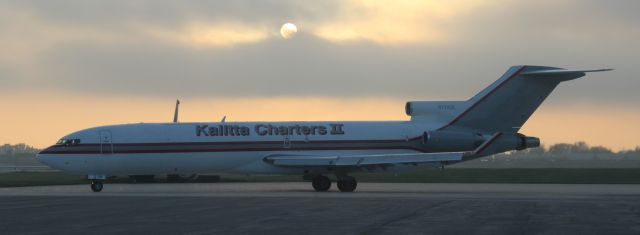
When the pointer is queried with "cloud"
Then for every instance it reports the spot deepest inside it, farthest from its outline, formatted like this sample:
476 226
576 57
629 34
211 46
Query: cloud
231 49
203 35
399 22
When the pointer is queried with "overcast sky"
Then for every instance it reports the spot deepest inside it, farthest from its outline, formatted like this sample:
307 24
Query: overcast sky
382 50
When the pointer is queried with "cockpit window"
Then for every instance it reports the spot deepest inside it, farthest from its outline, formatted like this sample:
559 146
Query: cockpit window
68 142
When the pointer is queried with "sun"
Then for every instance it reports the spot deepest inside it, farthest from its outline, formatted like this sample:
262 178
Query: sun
288 30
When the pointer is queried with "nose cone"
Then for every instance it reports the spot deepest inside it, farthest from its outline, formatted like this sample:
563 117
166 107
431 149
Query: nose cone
41 157
45 157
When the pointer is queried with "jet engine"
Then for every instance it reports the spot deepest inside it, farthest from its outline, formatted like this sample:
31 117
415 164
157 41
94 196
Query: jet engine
527 142
445 141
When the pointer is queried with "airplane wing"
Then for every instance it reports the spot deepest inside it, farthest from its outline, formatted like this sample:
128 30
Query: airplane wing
361 160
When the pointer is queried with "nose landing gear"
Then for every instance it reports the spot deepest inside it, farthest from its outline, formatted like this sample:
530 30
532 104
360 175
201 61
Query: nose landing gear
96 185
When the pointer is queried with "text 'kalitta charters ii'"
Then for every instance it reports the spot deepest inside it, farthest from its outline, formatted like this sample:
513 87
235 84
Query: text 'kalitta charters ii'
268 129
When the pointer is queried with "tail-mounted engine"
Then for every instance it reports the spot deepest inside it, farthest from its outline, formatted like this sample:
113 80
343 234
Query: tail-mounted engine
444 141
527 142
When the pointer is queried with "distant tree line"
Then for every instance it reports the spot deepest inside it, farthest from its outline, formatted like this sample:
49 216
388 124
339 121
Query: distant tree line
576 151
17 149
575 148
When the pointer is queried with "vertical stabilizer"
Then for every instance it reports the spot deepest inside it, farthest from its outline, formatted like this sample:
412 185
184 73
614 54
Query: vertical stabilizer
505 105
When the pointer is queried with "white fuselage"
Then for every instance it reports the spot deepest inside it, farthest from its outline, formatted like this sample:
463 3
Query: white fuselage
228 147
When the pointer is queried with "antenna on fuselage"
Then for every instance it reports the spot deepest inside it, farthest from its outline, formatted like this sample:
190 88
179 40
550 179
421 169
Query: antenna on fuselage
175 114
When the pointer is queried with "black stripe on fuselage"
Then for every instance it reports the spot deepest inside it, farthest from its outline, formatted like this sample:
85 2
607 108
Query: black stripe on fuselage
192 147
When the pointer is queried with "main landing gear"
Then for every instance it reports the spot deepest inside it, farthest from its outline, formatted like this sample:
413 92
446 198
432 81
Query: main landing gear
96 185
322 183
347 184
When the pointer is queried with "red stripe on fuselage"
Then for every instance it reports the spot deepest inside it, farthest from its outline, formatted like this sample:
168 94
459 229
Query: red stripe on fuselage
239 150
257 142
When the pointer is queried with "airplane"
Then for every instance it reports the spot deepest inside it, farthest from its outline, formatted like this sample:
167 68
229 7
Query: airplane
438 133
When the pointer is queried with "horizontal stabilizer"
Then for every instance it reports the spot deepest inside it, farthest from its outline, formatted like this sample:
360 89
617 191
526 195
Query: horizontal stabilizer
561 74
361 160
562 71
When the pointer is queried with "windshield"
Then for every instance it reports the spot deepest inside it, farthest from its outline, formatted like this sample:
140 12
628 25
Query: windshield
68 142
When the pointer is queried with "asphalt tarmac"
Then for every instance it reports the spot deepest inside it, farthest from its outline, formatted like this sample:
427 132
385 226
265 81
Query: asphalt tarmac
293 208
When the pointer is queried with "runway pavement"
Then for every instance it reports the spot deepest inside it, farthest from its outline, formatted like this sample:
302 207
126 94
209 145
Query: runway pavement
294 208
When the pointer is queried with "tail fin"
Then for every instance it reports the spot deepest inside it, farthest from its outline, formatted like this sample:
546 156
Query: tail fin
506 104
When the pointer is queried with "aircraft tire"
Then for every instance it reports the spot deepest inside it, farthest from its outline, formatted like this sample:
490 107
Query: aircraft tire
321 183
96 186
347 185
